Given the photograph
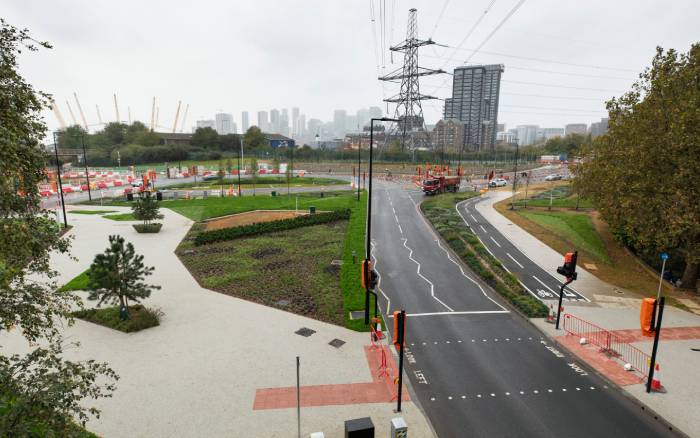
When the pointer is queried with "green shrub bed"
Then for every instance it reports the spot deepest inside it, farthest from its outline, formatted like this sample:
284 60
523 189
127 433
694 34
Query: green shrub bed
442 214
224 234
140 317
147 228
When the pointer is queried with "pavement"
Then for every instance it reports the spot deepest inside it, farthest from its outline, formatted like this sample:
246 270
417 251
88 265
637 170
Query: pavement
200 372
618 313
477 367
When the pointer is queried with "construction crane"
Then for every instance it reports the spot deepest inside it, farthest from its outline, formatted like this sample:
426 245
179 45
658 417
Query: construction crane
59 116
99 116
80 109
184 117
70 110
177 115
153 114
116 107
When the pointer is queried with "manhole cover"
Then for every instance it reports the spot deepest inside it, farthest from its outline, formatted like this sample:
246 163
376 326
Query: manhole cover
337 262
282 303
357 314
306 332
337 343
188 252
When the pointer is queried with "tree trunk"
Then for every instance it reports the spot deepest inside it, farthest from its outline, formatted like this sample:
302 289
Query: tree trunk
690 276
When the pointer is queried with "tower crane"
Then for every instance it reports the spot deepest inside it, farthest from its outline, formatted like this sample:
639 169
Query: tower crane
177 115
80 109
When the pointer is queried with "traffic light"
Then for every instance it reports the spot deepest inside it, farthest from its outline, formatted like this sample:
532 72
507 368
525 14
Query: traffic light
569 268
370 277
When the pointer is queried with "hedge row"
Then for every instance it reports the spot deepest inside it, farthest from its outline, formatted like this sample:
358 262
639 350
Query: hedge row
224 234
468 247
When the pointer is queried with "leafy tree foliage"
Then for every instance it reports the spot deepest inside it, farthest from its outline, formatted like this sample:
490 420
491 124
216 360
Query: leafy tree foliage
254 138
39 389
146 208
205 138
643 175
116 276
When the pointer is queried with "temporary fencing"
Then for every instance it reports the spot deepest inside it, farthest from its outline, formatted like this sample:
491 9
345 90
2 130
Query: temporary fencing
380 347
608 342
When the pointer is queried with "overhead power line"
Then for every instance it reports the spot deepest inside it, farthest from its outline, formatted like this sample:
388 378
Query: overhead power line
560 86
498 26
551 97
551 109
442 12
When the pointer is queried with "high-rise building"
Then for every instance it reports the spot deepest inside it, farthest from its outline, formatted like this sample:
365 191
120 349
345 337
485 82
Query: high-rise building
599 128
274 121
284 122
500 127
295 119
351 124
245 124
314 127
363 117
224 123
339 117
263 122
300 126
375 112
448 135
575 128
206 124
548 133
475 95
527 134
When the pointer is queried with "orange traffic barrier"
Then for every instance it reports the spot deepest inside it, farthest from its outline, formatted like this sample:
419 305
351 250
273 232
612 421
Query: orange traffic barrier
646 315
656 379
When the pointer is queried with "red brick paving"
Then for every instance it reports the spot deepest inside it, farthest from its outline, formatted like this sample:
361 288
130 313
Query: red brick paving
380 390
667 334
601 362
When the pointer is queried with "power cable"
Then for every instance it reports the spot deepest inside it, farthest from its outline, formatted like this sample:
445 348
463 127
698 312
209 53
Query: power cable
560 86
442 12
498 26
551 109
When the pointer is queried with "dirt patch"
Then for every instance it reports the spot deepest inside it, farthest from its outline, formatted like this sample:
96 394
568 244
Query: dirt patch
272 266
250 217
265 252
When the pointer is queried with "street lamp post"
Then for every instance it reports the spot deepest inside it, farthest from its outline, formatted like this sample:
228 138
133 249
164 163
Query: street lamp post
240 155
60 184
368 237
515 176
87 176
359 151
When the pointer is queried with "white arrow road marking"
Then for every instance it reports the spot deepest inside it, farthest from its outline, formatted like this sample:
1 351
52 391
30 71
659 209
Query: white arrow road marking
542 283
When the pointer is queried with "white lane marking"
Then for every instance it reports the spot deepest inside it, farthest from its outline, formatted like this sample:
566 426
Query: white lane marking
542 283
516 262
473 217
474 312
400 229
397 218
484 229
432 286
494 241
379 278
466 276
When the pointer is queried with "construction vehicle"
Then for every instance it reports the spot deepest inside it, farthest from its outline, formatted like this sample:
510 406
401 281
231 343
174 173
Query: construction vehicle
440 184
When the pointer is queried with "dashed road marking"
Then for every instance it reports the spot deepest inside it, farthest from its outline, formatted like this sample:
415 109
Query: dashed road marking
507 393
516 262
484 229
495 241
473 217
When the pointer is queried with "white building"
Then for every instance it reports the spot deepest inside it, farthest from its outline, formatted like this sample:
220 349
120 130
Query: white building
224 124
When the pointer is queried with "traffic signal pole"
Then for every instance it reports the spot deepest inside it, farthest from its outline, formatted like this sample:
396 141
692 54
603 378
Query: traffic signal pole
561 295
569 271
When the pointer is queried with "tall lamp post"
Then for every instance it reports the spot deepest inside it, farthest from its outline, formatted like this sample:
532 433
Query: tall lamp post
359 157
515 175
368 237
87 175
240 156
60 184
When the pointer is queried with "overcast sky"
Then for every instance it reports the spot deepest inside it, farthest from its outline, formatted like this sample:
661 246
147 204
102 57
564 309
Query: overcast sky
320 55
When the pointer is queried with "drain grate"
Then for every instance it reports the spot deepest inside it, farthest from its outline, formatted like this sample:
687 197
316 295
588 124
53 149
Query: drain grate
337 343
357 314
305 332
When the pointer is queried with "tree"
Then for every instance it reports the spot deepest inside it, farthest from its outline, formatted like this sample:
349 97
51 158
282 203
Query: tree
206 138
115 133
229 166
254 138
39 391
642 175
116 276
146 208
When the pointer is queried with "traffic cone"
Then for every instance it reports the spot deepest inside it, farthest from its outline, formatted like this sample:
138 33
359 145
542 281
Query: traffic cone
550 316
656 380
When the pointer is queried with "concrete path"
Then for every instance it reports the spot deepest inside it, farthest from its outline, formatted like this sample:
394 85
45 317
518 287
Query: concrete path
620 313
197 373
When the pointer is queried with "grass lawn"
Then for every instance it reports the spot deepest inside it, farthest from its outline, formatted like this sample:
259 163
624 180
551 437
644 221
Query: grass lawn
120 217
92 211
140 317
78 283
262 181
290 270
576 228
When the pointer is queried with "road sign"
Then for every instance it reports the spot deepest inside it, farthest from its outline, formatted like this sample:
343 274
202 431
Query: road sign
664 256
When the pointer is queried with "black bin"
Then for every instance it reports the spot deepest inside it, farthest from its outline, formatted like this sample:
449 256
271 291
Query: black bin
129 196
359 428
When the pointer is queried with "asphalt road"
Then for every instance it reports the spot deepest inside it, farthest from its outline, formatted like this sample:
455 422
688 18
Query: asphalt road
540 283
476 368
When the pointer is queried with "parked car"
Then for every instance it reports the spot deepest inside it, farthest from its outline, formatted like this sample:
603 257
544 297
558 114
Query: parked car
498 182
553 177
